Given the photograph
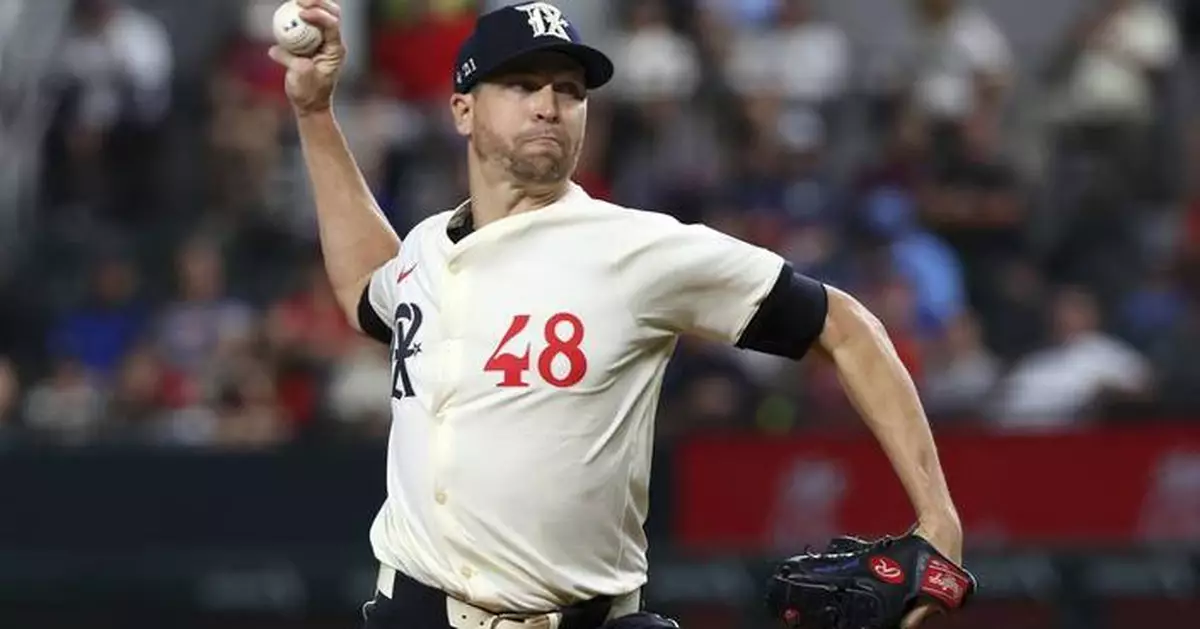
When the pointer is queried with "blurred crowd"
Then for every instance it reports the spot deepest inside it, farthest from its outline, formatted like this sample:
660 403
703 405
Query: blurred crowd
1026 225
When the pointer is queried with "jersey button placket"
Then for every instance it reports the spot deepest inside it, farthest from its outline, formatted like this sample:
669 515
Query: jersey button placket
451 300
455 309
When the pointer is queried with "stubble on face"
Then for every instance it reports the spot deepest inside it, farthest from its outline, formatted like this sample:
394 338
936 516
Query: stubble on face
527 158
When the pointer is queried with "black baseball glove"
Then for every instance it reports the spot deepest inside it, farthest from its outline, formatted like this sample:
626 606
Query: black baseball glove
860 584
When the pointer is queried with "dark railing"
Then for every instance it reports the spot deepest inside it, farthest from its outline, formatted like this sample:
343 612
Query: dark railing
126 539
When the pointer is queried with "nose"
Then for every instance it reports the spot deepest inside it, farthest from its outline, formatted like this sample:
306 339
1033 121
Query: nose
545 104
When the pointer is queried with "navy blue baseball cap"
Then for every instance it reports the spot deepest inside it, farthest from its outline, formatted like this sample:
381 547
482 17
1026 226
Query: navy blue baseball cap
513 31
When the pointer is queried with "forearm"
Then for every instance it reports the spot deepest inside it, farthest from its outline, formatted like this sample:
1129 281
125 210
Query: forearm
882 391
356 239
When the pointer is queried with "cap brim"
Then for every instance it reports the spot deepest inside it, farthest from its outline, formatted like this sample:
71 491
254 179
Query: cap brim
597 67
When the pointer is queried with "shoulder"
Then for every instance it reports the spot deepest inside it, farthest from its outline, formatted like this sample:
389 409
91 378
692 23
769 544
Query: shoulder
431 224
614 226
656 237
650 244
418 238
634 222
632 233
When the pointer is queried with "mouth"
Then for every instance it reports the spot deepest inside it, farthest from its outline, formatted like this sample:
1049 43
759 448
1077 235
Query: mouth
544 139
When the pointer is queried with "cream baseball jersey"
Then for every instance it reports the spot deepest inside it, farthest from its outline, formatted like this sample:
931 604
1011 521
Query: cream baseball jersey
527 363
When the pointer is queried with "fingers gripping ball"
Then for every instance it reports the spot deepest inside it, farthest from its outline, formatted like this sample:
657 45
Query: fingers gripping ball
293 33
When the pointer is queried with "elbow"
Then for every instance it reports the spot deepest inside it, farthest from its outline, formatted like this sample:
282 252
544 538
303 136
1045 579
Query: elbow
848 322
350 311
351 299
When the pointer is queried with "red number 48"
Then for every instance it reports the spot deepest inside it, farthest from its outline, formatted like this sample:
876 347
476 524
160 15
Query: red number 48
513 367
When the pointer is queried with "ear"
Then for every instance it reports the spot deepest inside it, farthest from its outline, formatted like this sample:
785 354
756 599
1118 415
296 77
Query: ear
462 108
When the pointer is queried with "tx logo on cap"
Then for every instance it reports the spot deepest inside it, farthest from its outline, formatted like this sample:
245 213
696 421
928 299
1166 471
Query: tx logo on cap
545 19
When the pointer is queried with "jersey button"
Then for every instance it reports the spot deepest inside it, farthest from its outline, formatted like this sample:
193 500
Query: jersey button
467 572
440 496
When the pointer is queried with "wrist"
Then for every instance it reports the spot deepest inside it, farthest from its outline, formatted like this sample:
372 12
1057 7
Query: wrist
317 111
943 521
944 532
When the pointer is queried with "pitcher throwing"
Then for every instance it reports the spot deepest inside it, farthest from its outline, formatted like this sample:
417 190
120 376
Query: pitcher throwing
530 327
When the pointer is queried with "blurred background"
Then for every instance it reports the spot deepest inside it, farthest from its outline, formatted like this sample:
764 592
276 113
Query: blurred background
191 436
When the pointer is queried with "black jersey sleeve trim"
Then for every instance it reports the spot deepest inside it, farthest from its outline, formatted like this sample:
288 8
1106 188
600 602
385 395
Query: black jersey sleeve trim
370 321
790 319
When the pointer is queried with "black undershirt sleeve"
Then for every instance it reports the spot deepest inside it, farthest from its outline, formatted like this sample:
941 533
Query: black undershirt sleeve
790 319
370 322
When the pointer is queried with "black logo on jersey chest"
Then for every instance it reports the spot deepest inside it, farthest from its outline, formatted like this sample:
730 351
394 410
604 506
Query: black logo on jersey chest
404 346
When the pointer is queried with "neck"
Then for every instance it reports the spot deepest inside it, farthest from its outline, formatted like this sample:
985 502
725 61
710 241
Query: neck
495 195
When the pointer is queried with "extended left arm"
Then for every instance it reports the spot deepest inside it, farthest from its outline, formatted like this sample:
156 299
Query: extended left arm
800 313
883 392
696 280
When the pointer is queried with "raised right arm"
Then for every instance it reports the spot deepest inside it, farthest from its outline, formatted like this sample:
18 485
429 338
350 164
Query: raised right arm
356 239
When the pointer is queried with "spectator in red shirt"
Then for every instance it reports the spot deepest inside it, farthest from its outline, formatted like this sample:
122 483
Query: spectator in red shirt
308 335
310 322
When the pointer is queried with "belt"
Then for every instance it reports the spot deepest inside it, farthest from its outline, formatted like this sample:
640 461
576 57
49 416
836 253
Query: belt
462 615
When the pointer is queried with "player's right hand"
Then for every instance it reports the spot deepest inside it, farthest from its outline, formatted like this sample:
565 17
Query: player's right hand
310 80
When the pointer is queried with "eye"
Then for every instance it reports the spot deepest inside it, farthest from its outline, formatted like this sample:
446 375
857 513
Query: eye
524 85
571 88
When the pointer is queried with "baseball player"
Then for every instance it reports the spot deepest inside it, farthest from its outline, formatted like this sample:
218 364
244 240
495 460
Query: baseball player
530 327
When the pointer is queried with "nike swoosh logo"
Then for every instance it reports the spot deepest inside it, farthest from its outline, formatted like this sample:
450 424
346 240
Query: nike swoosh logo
405 273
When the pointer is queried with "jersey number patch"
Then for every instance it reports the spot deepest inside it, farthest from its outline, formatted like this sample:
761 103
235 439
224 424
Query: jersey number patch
513 367
408 322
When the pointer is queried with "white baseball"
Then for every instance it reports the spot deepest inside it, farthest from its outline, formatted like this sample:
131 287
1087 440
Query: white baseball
293 33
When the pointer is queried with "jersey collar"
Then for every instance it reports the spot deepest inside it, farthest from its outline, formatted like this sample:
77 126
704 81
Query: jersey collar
462 224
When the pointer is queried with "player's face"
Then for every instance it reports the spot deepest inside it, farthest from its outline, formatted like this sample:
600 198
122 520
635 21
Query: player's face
529 118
